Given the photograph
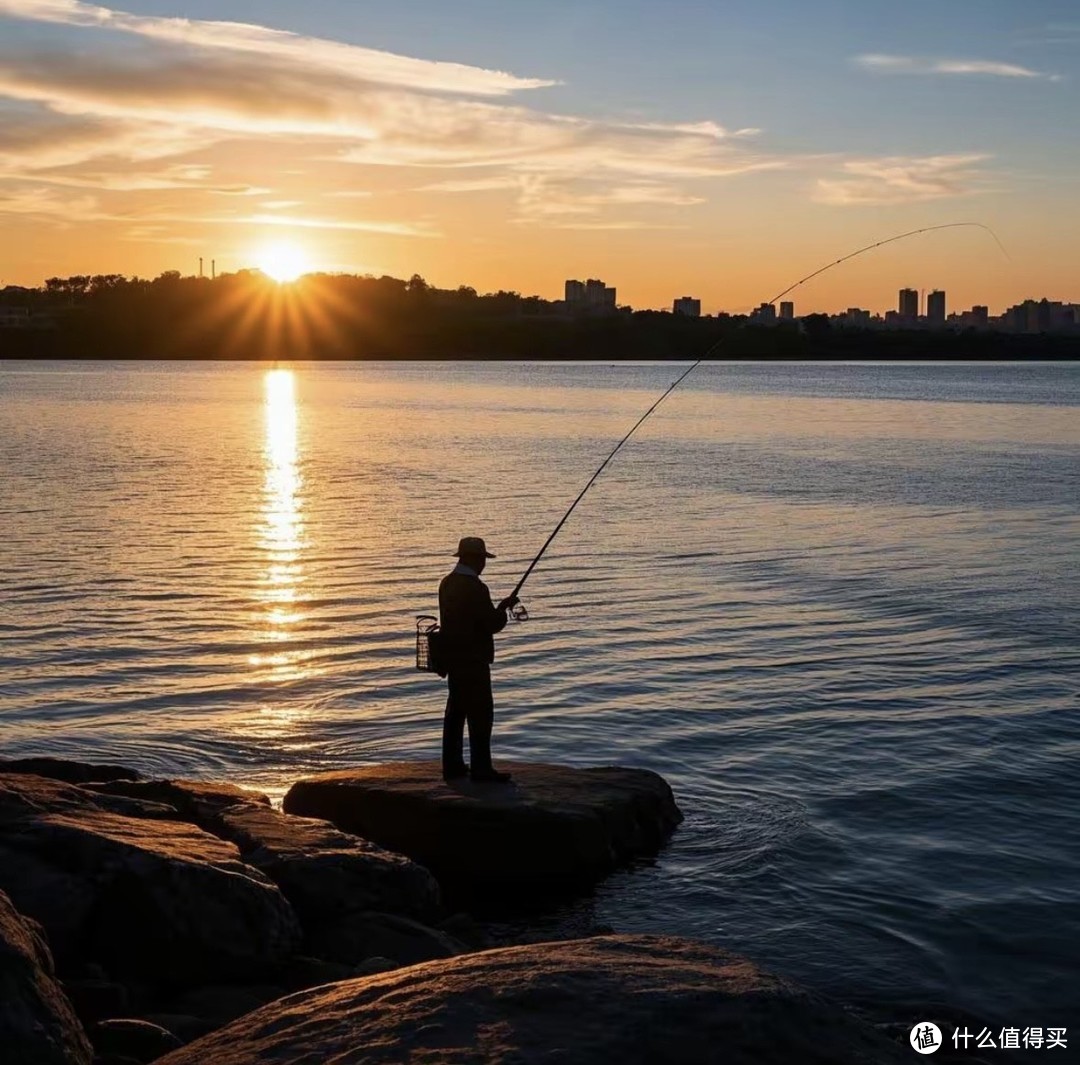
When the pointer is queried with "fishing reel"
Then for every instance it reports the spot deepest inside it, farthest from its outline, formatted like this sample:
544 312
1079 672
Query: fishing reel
518 612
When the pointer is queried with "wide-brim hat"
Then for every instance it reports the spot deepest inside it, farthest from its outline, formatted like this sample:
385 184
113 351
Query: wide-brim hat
472 545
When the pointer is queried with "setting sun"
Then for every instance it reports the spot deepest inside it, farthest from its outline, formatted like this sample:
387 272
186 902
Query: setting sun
282 261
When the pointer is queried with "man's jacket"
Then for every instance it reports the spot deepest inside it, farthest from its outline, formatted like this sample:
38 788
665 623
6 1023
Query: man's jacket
468 620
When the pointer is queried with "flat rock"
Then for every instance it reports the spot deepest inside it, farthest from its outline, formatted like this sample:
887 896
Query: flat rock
326 873
147 897
37 1023
24 794
197 801
551 829
66 770
636 1000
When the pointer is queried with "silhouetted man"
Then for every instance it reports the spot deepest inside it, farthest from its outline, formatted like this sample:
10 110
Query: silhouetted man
468 621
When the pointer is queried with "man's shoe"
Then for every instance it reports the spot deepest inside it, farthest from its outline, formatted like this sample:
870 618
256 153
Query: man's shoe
489 776
455 772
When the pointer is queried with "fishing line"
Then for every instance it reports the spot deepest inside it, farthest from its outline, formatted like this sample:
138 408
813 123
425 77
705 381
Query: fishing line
519 611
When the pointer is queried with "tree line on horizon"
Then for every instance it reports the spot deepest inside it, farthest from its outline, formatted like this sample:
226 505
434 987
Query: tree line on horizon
246 315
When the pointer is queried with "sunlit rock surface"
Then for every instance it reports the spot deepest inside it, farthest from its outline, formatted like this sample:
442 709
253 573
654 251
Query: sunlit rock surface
552 828
198 801
626 999
326 873
37 1024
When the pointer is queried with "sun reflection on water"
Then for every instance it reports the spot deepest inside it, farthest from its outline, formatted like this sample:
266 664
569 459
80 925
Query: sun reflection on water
280 536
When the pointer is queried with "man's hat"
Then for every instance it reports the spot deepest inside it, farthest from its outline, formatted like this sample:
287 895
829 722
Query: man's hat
472 545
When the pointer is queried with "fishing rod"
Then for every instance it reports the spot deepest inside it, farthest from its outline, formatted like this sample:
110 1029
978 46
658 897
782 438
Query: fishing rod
518 611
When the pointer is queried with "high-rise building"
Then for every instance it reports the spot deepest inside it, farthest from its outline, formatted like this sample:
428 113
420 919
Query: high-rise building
856 316
935 307
787 310
909 303
765 314
687 306
591 295
980 315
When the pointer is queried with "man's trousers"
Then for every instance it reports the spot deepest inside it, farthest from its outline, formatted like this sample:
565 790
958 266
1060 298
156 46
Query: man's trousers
469 700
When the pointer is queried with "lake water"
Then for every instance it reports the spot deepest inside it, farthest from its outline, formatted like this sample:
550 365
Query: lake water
834 605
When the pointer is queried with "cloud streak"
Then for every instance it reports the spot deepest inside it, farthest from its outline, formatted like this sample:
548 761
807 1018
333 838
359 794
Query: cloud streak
902 179
203 100
64 210
350 61
906 64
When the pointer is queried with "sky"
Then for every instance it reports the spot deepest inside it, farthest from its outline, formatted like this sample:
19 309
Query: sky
715 149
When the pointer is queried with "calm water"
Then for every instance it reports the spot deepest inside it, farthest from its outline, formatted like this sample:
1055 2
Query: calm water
836 606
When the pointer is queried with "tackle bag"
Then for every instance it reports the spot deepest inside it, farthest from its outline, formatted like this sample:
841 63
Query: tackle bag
429 650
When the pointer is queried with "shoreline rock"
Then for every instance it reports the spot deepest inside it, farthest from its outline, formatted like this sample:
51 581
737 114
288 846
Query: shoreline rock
636 1000
138 894
175 907
37 1023
550 832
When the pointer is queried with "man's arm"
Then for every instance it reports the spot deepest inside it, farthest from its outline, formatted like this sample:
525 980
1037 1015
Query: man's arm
491 617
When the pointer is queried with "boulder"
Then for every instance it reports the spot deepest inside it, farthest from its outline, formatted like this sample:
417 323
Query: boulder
551 830
324 872
364 935
37 1024
225 1002
23 794
636 1000
145 897
63 769
127 1038
197 801
370 966
302 971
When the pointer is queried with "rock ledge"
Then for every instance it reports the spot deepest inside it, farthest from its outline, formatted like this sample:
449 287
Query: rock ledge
553 829
636 1000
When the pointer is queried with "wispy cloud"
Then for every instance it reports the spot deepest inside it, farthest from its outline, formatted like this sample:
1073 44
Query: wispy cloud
623 225
204 97
397 229
541 198
198 91
902 179
906 64
47 205
311 54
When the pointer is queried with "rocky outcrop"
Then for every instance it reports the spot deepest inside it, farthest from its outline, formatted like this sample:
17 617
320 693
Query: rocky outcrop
325 873
113 880
628 999
552 829
66 770
37 1024
197 801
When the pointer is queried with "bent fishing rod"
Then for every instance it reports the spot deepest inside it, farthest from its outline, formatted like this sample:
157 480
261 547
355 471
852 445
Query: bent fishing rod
519 612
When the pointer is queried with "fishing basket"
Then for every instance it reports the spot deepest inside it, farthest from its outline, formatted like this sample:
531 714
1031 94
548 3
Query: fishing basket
429 645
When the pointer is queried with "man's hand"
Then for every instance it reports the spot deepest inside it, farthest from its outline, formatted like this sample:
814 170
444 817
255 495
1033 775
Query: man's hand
508 602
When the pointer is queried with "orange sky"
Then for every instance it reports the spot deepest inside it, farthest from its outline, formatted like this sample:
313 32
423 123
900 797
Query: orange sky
138 149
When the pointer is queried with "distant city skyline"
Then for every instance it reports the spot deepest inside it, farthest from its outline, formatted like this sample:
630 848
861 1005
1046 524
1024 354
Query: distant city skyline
596 296
720 151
